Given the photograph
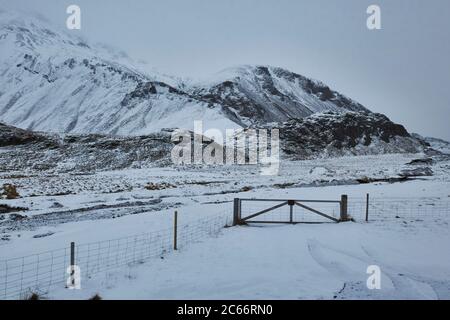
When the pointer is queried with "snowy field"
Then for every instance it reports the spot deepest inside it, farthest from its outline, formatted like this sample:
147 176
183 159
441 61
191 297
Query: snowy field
324 261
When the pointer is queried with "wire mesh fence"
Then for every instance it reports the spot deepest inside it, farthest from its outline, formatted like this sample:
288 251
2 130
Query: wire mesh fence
359 209
20 277
399 209
39 273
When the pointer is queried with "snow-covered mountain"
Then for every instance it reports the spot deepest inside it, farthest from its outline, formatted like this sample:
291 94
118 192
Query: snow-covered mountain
262 94
53 81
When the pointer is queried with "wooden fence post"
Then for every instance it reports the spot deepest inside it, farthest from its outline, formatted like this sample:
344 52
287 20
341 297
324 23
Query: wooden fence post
367 208
291 204
236 211
175 231
344 203
72 262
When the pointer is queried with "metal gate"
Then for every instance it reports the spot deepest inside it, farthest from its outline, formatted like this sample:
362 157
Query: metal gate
287 211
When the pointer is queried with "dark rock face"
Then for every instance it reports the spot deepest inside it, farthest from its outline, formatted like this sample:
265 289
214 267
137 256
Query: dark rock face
327 134
259 95
11 136
321 90
366 180
427 161
144 90
80 153
235 104
349 133
4 208
417 172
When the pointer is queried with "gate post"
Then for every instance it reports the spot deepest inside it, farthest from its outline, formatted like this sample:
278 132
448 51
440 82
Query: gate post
175 231
344 203
236 211
291 204
367 208
72 263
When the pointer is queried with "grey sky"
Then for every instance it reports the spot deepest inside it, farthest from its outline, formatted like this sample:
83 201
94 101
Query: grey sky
402 70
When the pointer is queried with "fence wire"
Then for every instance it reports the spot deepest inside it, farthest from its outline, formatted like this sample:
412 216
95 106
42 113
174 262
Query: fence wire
377 209
399 209
39 273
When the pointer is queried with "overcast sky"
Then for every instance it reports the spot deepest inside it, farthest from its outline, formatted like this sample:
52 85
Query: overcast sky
402 70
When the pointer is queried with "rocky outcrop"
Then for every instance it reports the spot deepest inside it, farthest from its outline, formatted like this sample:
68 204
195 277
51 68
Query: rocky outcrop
11 136
338 134
80 153
255 95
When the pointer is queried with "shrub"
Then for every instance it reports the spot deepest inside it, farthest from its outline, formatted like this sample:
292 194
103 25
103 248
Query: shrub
33 296
159 186
10 191
96 297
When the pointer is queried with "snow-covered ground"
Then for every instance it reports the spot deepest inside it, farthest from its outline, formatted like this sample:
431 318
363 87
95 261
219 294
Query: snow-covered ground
262 262
303 261
192 185
289 262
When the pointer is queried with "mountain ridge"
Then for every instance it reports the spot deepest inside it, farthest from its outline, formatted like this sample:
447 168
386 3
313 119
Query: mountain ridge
57 83
51 81
261 94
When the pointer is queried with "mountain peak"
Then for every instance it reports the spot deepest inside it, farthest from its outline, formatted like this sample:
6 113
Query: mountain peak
33 32
256 94
53 81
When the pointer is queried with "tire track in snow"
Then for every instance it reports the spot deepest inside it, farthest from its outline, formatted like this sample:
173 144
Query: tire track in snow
351 269
437 289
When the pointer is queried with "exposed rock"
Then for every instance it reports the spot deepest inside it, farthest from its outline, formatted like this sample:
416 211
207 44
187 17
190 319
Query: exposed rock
320 135
320 171
17 217
159 186
255 95
85 153
283 185
11 136
246 189
418 172
338 134
145 90
43 235
56 205
365 180
4 208
5 237
428 161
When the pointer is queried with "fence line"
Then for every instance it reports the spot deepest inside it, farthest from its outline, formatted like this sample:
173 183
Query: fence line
39 273
358 208
401 208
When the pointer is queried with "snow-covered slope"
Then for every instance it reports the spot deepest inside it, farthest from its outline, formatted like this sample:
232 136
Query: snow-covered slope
261 94
437 144
53 81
